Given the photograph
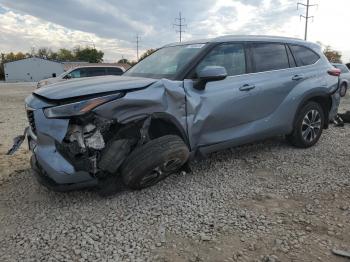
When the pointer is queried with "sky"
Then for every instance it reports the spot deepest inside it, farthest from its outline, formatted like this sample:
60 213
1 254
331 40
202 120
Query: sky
112 25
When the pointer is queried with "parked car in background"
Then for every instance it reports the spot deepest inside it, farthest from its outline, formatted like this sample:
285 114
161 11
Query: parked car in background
344 78
185 99
83 71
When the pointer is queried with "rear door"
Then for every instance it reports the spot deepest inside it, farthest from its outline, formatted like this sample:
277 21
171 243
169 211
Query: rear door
273 74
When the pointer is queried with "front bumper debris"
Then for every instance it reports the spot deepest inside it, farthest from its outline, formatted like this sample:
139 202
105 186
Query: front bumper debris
44 179
78 152
17 142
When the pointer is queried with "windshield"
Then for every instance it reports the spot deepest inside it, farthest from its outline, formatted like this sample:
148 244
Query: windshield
165 62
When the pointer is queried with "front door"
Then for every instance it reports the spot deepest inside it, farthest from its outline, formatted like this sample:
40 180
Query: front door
214 113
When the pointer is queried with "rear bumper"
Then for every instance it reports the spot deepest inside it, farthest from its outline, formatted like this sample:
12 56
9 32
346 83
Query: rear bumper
335 106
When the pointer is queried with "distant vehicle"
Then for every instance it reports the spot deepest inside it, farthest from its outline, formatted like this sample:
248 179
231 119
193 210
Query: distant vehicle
344 78
184 100
83 71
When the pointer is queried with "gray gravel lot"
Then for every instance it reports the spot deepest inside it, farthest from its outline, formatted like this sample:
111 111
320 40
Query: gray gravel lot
261 202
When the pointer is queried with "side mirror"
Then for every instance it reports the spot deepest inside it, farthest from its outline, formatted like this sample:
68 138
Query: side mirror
208 74
68 76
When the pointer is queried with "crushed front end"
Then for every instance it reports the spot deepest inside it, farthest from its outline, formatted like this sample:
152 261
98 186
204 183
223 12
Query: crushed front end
75 151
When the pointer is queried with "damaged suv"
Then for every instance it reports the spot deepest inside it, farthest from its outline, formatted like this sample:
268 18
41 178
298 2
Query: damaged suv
186 99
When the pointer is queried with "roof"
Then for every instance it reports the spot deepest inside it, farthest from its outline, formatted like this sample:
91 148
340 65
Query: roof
34 57
70 66
246 38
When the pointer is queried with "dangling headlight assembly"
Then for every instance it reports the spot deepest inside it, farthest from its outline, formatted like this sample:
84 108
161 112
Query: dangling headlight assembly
78 108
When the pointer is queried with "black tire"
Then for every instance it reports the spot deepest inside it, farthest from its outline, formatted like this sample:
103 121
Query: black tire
307 134
343 89
154 161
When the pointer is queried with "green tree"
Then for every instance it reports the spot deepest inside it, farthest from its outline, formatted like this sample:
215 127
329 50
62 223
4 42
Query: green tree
332 55
88 54
65 55
124 61
147 53
43 52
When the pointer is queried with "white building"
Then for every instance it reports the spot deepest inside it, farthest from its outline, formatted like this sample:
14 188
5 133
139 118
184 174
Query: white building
32 69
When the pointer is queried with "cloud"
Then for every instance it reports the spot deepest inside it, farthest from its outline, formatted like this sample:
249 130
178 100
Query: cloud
25 32
113 25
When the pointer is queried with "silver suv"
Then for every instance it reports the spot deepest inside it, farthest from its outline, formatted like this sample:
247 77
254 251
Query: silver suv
184 100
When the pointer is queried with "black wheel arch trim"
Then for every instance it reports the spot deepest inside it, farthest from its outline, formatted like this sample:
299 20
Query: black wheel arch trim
167 118
309 97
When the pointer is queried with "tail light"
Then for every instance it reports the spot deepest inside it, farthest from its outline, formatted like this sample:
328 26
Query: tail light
334 72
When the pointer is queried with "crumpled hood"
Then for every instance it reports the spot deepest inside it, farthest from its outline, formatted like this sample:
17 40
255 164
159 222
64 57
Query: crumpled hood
92 85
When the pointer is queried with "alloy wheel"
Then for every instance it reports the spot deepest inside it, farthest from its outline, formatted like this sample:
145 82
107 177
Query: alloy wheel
160 172
311 125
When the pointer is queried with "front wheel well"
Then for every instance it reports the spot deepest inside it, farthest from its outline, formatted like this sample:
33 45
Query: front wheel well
161 126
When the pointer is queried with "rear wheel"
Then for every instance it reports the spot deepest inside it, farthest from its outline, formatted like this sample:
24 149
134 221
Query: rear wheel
343 89
154 161
308 126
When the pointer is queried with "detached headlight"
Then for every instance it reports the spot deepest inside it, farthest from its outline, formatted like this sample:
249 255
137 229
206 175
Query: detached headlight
78 108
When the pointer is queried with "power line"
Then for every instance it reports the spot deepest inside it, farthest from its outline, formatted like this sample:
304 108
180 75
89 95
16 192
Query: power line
307 17
138 38
179 23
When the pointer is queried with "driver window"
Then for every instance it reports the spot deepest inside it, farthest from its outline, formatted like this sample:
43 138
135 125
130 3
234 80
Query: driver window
230 56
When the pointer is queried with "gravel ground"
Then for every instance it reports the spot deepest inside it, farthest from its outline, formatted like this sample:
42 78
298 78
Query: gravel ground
261 202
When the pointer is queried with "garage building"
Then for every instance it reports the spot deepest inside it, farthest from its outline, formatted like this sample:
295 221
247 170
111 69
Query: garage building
32 69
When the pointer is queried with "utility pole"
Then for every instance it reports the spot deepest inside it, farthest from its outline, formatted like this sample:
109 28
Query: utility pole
307 17
179 23
137 46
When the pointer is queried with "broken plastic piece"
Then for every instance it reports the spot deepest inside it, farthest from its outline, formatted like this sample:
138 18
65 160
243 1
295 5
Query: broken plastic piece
95 141
89 128
17 142
144 131
87 136
341 253
76 135
345 116
338 121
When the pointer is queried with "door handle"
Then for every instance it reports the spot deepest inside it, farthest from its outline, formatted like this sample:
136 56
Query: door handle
246 87
297 77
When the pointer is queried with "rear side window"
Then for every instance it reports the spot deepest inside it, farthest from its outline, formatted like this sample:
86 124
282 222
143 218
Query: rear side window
269 56
230 56
95 71
114 71
304 56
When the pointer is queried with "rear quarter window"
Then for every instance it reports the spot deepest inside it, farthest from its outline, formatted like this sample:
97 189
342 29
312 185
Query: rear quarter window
269 56
303 55
114 71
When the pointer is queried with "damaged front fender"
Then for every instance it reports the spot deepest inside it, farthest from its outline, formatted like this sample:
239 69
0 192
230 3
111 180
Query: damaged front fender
164 96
